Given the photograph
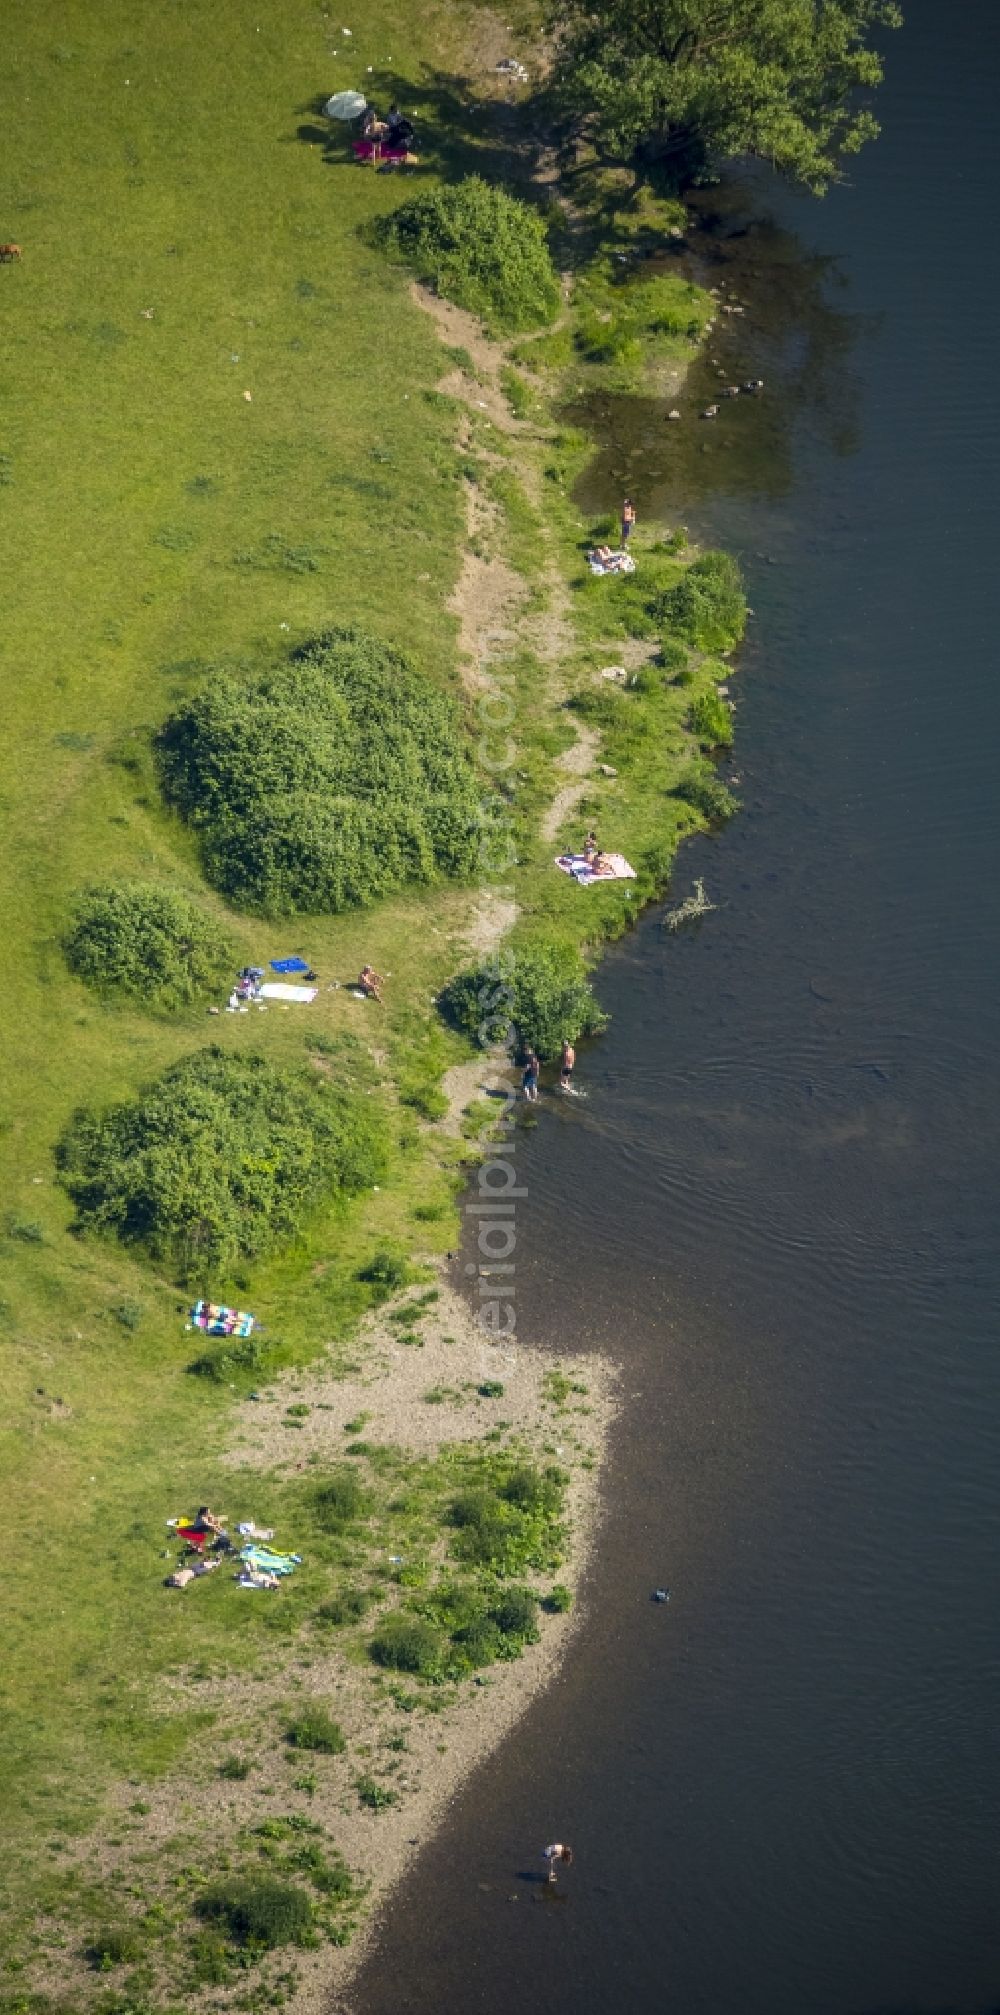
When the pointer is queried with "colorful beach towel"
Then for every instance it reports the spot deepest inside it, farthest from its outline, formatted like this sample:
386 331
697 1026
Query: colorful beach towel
616 870
262 1560
216 1320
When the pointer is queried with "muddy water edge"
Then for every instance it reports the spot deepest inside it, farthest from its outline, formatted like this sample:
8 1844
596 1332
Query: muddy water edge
774 1206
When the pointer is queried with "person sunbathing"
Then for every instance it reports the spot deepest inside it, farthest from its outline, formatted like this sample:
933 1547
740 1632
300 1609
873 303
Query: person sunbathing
600 865
590 849
371 983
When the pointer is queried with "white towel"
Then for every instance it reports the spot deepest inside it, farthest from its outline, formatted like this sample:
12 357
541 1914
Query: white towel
277 991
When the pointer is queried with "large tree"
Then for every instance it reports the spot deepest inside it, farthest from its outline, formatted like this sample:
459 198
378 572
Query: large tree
682 81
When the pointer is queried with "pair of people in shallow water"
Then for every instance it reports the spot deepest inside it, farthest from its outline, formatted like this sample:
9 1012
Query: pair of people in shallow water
529 1075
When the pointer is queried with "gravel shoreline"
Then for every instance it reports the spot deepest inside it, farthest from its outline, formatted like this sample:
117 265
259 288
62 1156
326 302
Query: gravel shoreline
443 1748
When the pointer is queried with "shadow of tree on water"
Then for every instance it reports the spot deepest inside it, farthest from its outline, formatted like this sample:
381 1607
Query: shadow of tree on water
795 335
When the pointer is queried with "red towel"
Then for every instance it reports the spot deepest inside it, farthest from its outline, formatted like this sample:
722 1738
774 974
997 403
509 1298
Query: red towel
366 150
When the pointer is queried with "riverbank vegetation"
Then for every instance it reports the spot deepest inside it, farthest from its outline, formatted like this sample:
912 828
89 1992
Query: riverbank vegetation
240 733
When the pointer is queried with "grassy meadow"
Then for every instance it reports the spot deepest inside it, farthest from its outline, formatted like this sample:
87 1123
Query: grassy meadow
183 244
219 435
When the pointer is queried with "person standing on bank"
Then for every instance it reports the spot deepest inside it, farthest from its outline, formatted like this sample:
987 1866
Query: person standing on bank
628 520
555 1855
568 1063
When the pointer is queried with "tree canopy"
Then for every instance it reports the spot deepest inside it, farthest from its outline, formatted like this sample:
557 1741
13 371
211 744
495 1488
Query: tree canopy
683 80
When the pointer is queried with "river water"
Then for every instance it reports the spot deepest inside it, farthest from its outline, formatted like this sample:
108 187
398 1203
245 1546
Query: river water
775 1206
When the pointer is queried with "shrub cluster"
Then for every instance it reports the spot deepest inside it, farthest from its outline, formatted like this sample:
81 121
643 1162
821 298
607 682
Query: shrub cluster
325 782
484 1624
256 1910
145 941
510 1525
541 990
707 607
219 1160
480 247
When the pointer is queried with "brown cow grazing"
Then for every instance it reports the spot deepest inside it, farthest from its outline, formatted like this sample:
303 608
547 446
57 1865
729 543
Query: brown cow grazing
8 252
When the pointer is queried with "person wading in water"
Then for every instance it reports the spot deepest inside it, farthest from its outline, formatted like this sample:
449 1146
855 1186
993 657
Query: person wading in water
553 1856
568 1062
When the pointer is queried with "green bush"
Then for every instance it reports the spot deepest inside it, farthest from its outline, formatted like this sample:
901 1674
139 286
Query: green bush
480 247
340 1500
146 942
114 1945
235 1768
531 1490
349 1606
515 1614
377 1797
707 793
407 1644
258 1911
512 1524
313 1729
673 656
325 782
558 1599
239 1354
221 1159
476 1643
386 1273
707 606
712 721
541 994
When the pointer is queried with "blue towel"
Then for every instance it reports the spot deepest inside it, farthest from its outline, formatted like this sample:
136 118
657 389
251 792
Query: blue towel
289 966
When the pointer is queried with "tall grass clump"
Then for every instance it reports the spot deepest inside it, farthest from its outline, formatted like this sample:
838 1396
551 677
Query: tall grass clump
144 942
539 993
480 247
407 1643
255 1910
701 787
312 1728
325 782
707 607
219 1160
712 721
